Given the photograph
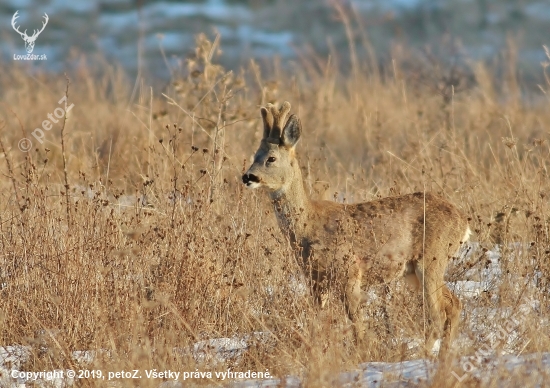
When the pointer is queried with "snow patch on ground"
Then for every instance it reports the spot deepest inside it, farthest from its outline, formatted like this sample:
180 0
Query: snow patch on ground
220 350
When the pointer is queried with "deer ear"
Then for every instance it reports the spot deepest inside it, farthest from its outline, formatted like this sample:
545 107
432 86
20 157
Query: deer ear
291 132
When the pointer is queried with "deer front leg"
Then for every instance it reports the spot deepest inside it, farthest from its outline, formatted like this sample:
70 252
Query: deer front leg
434 301
320 293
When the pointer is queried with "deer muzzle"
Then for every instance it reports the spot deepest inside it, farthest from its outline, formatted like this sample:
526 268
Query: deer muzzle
251 180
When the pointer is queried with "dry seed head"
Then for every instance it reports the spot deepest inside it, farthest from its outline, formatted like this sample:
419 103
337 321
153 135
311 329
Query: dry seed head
538 142
509 142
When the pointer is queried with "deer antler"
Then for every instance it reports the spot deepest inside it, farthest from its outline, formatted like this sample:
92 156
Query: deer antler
36 32
274 120
15 16
24 34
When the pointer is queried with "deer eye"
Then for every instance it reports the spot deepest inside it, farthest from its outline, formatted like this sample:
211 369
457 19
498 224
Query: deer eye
271 159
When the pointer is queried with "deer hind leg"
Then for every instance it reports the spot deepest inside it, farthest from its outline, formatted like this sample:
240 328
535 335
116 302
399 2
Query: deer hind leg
384 311
432 288
452 315
353 301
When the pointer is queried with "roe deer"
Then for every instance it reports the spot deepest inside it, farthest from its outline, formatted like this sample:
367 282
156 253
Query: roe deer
349 246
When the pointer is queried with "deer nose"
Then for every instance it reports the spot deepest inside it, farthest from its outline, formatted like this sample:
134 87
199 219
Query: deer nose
250 178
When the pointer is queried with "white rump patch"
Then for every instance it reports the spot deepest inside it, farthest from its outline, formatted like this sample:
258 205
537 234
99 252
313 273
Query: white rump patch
467 235
436 347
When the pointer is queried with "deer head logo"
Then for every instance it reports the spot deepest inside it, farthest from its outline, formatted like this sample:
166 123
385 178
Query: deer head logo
29 40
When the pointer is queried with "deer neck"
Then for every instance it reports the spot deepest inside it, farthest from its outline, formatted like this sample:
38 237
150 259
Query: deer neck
292 206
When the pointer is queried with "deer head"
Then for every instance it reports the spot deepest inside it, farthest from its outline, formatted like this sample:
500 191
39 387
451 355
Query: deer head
29 40
275 165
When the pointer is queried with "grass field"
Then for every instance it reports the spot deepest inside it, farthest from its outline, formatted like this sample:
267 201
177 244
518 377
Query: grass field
128 230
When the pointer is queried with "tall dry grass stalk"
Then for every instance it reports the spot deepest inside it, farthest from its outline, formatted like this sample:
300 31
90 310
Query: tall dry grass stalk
164 247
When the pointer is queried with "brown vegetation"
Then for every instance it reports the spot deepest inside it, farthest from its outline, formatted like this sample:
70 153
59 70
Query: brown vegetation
138 237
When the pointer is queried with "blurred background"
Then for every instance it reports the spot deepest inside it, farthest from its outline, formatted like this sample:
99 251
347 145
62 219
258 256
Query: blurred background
154 37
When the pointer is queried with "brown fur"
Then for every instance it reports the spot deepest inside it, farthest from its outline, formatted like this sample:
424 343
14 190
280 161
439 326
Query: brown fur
346 247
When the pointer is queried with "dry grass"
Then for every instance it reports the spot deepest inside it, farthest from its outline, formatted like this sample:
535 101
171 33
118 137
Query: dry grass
156 245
